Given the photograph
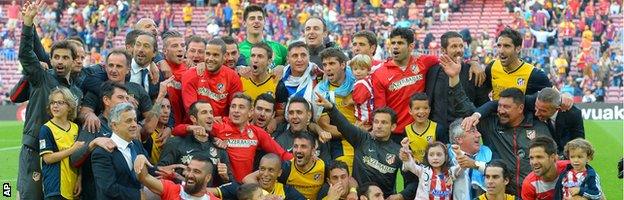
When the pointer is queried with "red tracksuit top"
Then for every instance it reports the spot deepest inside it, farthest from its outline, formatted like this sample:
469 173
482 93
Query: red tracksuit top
393 87
175 93
216 88
242 145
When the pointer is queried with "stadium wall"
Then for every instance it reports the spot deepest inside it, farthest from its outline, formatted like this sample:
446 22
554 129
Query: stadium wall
590 111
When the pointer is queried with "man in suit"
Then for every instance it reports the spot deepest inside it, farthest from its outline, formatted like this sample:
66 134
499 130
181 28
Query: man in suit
113 171
563 125
438 90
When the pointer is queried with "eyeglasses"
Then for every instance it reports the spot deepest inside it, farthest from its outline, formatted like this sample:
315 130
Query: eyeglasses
58 103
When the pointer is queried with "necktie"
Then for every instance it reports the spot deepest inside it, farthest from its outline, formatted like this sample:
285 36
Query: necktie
133 152
551 127
143 76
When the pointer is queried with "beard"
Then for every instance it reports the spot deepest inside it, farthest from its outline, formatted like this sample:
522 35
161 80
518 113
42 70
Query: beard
195 188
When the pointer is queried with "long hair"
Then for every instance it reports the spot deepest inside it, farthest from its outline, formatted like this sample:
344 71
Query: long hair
445 165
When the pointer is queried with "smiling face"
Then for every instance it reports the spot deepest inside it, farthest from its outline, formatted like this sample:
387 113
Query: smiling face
544 110
259 61
298 116
263 113
269 170
196 52
314 32
174 50
334 70
541 162
455 47
298 58
62 61
214 57
118 96
127 127
303 150
507 52
470 141
508 111
59 108
419 110
240 111
254 22
116 69
144 50
196 177
204 117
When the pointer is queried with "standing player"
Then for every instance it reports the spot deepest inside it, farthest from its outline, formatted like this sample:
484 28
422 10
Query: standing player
397 79
217 85
255 18
509 71
261 81
41 83
174 47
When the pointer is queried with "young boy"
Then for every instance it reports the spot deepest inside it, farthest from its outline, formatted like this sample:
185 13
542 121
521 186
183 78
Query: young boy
423 131
362 91
579 179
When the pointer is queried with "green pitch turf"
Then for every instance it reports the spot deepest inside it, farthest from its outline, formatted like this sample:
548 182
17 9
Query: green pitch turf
606 136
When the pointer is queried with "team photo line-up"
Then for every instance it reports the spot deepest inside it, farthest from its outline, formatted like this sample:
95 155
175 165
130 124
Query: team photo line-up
217 118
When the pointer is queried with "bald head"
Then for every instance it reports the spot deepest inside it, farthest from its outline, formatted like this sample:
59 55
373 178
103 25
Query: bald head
147 25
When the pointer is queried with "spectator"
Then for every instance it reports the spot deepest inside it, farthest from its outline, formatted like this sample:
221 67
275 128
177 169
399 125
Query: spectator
588 96
444 10
13 12
187 14
428 13
616 73
600 91
615 8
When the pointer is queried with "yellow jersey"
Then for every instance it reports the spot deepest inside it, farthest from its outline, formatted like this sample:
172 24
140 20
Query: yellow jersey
256 89
340 148
309 182
420 141
507 197
502 79
60 177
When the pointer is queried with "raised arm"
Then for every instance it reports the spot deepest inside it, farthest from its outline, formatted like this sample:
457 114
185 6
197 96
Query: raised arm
30 63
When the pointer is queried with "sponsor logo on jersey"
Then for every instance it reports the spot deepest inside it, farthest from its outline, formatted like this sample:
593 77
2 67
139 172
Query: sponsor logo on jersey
530 134
375 164
405 82
241 143
207 92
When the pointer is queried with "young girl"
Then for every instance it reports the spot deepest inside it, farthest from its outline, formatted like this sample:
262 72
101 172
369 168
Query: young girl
57 141
435 175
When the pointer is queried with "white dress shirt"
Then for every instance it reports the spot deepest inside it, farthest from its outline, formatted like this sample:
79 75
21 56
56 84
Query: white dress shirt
122 146
135 75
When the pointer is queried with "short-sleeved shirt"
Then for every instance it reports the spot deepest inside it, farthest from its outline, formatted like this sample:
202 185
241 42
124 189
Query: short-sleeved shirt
228 191
534 187
58 178
279 51
308 183
172 191
507 197
217 88
256 89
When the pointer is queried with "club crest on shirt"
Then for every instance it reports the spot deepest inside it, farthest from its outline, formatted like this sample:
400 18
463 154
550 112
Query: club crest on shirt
415 69
520 81
530 134
317 176
390 158
213 152
250 133
429 139
220 87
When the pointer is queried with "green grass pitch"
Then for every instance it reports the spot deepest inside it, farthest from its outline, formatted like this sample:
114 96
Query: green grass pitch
606 136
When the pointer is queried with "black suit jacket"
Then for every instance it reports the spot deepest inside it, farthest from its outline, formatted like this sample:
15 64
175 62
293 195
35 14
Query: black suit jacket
113 178
568 126
437 89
